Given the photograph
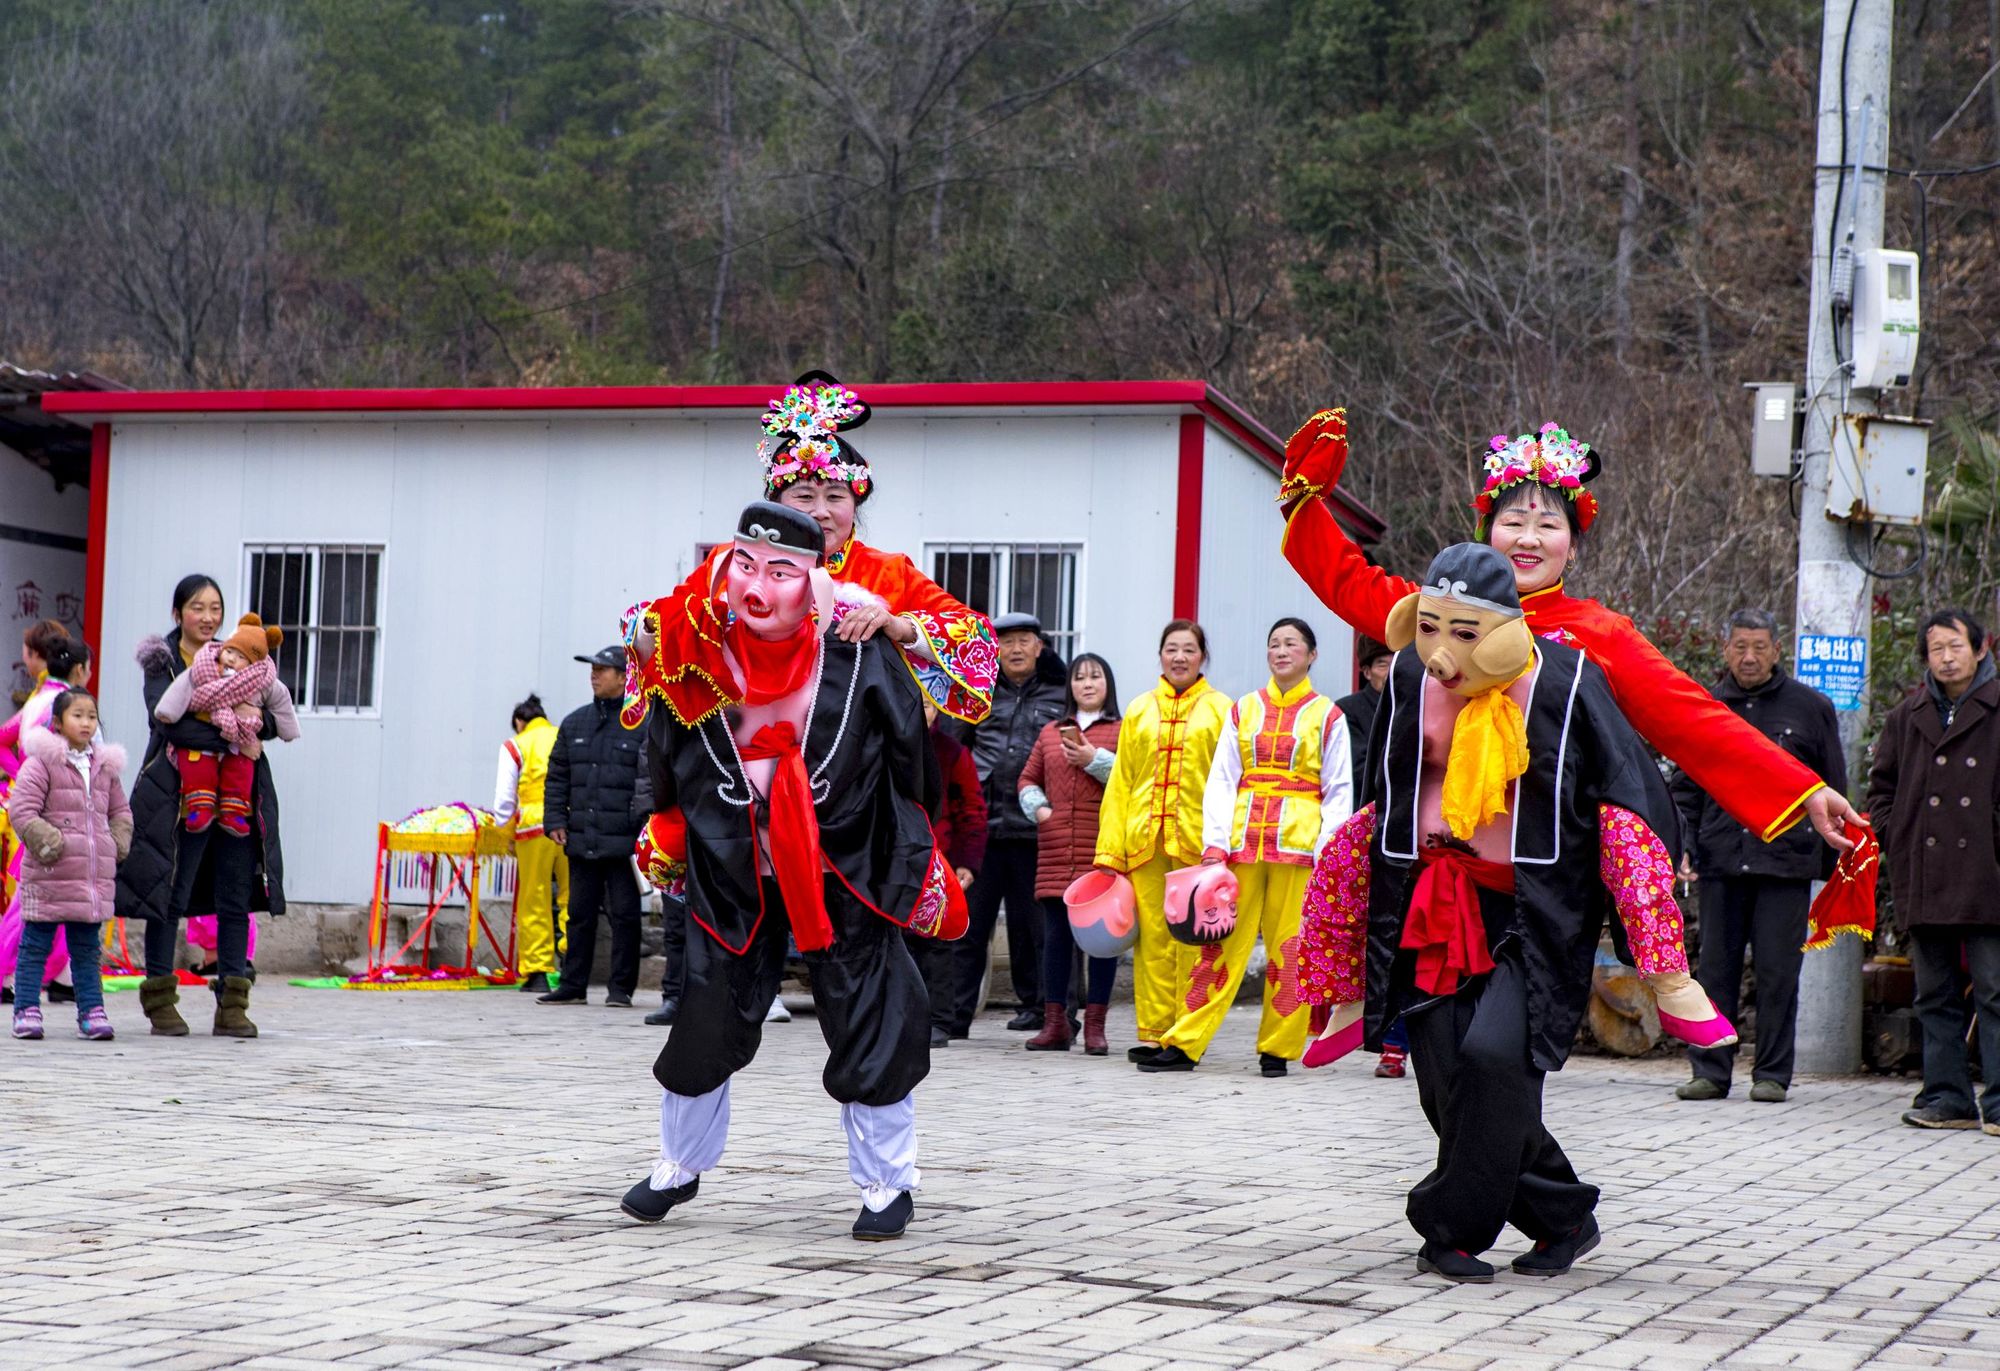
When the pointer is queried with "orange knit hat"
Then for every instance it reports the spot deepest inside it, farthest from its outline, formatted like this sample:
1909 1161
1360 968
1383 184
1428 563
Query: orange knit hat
253 639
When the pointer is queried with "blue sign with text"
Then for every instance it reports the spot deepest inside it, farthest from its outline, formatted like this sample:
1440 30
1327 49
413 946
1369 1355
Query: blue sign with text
1834 666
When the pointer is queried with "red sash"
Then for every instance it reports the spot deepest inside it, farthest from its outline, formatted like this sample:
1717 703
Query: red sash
794 827
1444 927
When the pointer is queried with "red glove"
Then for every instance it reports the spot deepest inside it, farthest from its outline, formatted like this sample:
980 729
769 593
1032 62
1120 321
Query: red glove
1315 456
662 848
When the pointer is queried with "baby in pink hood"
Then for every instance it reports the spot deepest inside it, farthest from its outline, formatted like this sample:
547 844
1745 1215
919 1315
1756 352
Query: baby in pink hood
232 682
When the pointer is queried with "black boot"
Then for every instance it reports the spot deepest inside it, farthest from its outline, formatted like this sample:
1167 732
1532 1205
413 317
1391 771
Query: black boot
648 1205
871 1226
1453 1265
535 983
664 1015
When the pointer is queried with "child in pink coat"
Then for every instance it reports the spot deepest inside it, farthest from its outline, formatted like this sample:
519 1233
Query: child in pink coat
71 813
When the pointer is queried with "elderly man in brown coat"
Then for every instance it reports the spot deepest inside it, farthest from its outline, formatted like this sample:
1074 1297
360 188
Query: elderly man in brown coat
1934 797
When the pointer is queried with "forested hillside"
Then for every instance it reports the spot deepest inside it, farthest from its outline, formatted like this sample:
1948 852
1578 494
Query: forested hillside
1455 216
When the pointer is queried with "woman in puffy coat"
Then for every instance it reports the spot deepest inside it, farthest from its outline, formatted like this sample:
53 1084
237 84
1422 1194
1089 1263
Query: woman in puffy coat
1062 789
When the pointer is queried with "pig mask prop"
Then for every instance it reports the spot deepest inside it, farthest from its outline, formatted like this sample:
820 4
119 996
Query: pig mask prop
769 572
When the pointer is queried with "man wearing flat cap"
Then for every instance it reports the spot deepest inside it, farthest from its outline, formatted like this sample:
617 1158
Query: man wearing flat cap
593 770
1028 695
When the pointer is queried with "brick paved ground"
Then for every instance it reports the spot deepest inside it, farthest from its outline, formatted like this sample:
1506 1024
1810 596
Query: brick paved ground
432 1180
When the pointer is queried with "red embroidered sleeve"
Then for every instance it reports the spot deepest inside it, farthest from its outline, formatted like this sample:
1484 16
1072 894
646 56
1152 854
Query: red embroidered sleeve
1344 580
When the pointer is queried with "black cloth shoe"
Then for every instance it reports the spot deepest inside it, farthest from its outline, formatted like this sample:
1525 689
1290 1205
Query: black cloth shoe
1025 1021
939 1038
1270 1065
1554 1258
562 997
1932 1116
890 1223
648 1205
617 999
535 983
59 993
664 1015
1453 1265
1168 1059
1144 1052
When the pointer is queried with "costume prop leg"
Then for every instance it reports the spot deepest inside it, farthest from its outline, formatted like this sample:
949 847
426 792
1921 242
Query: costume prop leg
1217 968
1283 1029
693 1132
870 1002
1156 971
882 1150
1496 1162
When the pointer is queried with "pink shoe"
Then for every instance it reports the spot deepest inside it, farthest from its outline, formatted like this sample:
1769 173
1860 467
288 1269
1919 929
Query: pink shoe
96 1026
1715 1032
28 1022
1332 1047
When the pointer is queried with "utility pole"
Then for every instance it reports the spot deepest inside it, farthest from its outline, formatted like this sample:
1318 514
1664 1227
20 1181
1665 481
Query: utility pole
1834 597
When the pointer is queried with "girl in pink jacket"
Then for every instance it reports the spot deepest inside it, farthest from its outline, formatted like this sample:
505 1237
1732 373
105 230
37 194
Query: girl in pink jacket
71 813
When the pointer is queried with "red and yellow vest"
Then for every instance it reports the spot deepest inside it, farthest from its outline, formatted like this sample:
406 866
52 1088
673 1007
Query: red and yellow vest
1280 737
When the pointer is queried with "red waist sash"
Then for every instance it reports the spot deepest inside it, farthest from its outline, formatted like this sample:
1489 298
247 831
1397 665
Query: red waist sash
1444 927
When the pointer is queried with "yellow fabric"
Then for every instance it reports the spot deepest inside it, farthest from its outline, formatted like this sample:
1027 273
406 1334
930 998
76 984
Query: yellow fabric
1296 785
1270 905
1153 801
1489 749
540 932
534 743
1156 959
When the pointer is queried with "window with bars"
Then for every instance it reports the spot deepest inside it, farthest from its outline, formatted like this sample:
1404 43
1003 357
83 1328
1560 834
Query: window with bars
1005 578
327 599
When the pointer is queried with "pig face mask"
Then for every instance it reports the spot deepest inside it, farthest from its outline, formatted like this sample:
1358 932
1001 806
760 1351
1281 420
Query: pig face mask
1465 625
770 588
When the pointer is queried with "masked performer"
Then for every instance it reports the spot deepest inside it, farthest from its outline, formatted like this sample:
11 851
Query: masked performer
1534 508
1469 896
792 775
810 465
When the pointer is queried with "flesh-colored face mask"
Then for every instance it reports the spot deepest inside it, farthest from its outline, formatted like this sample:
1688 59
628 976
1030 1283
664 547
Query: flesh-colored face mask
770 589
1467 649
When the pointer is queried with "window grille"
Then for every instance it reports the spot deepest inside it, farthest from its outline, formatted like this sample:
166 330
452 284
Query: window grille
327 598
1042 579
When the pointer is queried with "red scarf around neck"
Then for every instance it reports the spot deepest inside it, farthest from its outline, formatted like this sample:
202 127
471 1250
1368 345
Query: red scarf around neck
772 668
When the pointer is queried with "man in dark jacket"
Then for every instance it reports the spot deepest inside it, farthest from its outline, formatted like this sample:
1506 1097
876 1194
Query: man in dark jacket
1755 894
591 814
1934 798
1028 695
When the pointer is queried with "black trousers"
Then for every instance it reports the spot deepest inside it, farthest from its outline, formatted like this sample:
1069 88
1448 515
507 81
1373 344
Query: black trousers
867 995
1767 914
674 925
1007 875
603 885
231 877
1958 975
1481 1091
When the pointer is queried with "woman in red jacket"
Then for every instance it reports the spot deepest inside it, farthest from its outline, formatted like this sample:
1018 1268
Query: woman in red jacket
1534 510
1061 787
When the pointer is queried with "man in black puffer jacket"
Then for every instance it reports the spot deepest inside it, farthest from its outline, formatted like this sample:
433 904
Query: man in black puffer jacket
589 811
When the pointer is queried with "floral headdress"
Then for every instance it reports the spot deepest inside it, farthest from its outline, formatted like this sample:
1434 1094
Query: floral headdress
1550 457
802 436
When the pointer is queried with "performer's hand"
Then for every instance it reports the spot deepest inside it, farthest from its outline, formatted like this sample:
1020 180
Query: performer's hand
865 621
964 875
1830 812
1213 856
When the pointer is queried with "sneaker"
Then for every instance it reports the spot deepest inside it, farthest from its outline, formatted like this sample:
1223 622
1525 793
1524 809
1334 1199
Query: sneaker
1392 1066
1767 1092
95 1026
617 999
777 1013
1929 1116
648 1205
1700 1088
1555 1257
1453 1265
28 1022
873 1225
1168 1059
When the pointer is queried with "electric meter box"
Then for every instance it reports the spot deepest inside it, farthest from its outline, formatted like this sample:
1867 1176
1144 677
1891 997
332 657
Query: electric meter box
1885 318
1774 428
1878 464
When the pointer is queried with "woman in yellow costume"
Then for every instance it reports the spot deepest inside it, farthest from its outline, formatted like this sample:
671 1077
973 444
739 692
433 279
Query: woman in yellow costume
1280 784
539 923
1150 822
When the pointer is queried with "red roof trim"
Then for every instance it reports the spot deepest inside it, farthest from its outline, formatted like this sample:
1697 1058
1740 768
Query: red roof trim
1196 396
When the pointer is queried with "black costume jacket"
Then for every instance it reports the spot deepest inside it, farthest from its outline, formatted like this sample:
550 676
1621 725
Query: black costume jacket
1581 753
873 777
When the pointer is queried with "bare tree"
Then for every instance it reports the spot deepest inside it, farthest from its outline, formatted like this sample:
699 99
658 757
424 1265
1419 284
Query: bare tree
152 142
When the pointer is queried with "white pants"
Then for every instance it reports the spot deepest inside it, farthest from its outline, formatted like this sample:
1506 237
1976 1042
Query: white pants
881 1143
